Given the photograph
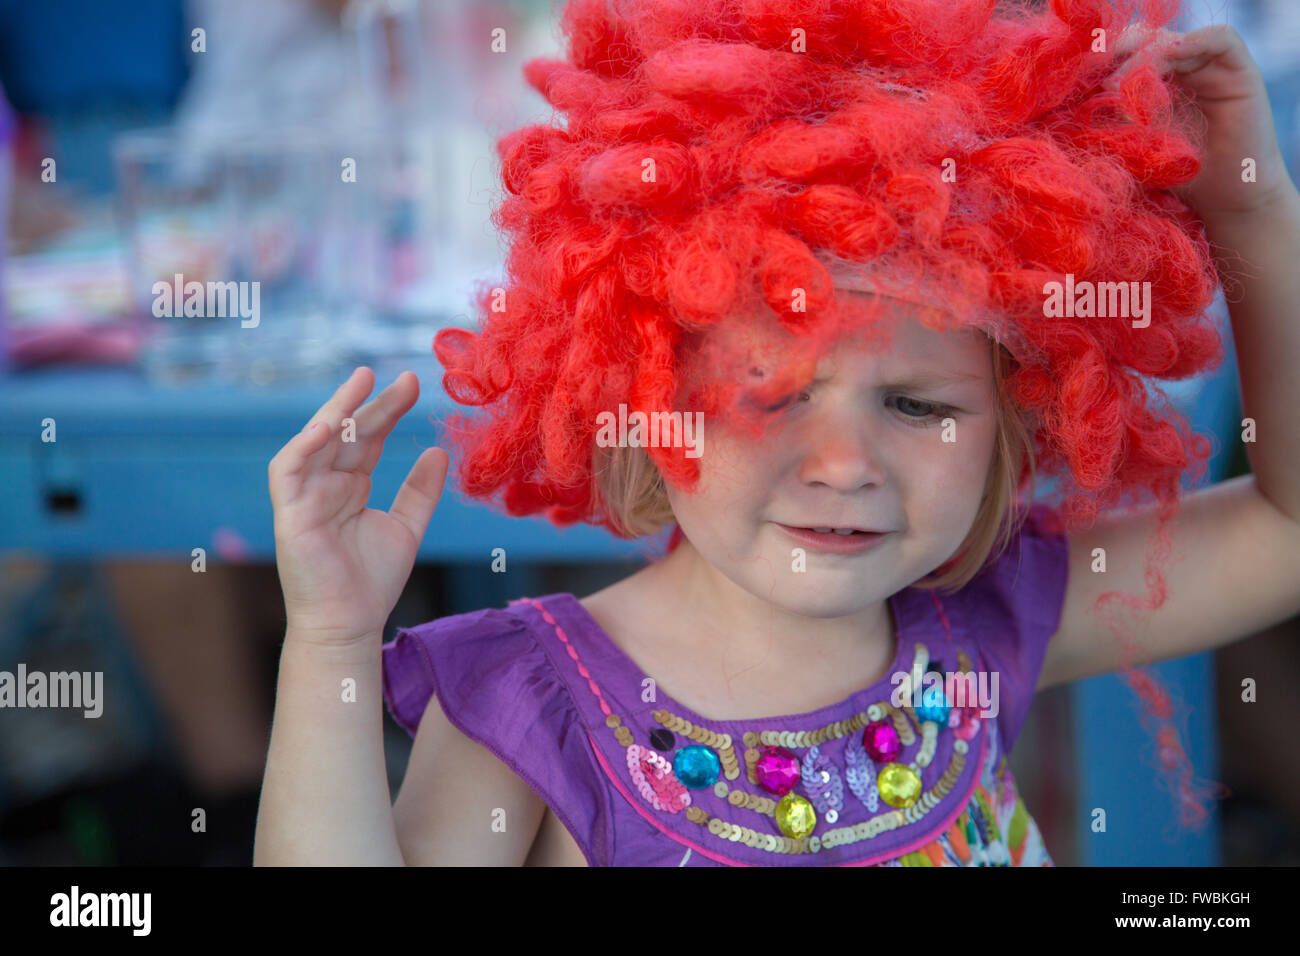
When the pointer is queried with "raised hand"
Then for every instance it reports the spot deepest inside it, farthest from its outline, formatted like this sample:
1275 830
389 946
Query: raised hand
342 565
1214 64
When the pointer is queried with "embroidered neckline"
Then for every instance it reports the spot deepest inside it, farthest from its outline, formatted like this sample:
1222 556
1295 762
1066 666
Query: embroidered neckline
647 772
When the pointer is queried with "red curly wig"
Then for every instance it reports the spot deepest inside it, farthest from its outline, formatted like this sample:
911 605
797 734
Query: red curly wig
723 161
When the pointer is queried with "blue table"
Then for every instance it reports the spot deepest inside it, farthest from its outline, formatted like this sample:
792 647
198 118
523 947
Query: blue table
147 471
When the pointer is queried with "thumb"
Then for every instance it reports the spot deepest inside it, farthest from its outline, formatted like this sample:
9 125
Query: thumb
419 494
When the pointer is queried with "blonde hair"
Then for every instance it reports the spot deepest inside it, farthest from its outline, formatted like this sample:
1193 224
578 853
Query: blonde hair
633 494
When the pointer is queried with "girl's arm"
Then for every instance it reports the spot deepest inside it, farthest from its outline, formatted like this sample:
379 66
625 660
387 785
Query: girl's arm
1235 567
342 567
325 798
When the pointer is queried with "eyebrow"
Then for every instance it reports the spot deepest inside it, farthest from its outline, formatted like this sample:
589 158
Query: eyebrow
922 379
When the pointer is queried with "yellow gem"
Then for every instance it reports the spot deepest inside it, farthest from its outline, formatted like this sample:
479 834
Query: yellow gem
795 815
899 785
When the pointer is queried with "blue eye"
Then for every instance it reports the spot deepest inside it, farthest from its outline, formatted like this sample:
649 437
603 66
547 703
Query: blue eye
930 411
917 413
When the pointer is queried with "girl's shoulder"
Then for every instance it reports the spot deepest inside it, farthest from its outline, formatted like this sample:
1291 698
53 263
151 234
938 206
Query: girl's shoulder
496 674
485 663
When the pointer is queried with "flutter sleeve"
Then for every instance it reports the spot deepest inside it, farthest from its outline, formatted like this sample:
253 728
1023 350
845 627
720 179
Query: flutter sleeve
1017 611
497 685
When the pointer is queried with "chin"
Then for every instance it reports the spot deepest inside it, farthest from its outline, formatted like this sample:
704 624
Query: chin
823 602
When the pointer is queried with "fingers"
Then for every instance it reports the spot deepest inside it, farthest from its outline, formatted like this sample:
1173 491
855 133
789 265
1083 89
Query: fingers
1198 48
311 449
419 494
344 402
1168 51
287 469
1135 38
375 421
1141 45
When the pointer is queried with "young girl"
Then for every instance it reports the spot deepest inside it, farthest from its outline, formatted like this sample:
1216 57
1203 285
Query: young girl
845 234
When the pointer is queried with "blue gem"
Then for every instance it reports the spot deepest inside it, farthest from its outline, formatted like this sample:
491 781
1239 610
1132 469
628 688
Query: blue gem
933 707
696 766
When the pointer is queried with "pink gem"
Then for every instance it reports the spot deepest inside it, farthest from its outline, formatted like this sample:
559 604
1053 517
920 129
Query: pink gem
880 740
777 771
969 724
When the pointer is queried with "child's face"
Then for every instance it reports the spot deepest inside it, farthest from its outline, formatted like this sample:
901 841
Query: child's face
858 448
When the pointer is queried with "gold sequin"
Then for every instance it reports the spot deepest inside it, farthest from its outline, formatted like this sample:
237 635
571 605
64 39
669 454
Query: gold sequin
750 738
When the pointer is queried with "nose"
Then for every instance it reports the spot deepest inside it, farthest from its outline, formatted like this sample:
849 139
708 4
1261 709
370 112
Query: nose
842 453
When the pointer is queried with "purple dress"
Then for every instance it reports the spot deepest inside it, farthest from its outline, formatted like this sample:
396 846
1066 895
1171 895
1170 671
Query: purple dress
549 693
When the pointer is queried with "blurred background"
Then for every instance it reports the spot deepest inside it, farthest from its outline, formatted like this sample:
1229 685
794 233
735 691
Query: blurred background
340 155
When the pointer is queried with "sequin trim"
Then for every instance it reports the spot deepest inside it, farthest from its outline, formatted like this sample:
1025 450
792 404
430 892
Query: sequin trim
819 776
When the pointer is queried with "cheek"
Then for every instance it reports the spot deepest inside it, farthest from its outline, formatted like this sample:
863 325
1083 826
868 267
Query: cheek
733 467
947 476
728 477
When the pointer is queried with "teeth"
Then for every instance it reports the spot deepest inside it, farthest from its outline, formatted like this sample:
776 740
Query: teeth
834 530
844 531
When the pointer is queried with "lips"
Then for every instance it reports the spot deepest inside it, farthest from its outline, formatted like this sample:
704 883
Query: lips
834 541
